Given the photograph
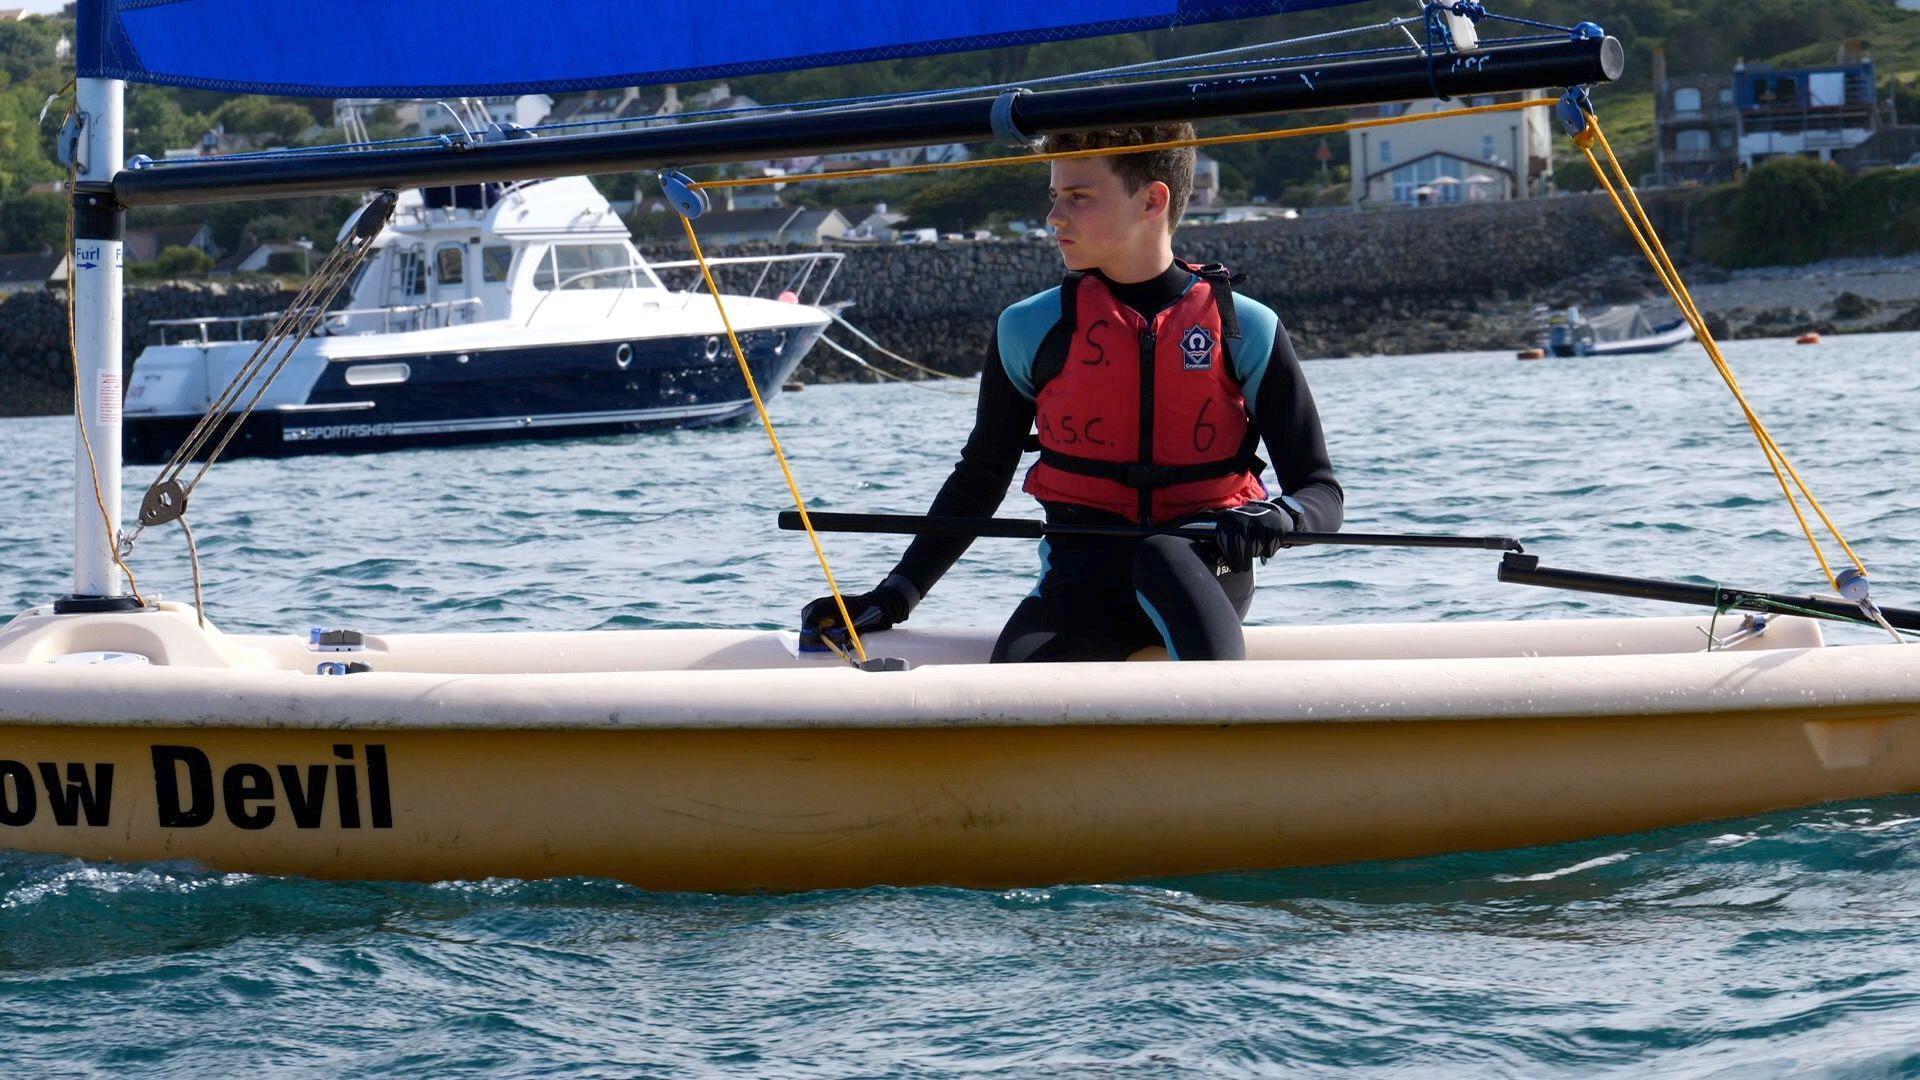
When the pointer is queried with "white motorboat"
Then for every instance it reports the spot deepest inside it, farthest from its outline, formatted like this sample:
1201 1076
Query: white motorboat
485 312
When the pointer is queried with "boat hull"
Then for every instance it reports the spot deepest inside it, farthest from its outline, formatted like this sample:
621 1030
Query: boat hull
991 807
460 398
1663 338
724 761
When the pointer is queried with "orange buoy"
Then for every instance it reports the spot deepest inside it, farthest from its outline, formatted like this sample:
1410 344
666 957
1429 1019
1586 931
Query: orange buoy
1530 354
1808 338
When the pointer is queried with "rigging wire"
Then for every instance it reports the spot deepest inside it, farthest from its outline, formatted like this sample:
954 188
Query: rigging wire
166 498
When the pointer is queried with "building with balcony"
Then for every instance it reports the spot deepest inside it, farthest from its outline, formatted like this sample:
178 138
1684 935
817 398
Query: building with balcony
1696 126
1806 112
1485 157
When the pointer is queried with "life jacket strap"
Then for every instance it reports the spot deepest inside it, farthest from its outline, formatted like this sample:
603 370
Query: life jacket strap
1143 476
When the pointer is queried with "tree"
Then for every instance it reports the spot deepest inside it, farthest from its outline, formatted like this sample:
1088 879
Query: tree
26 46
156 123
1784 209
33 223
278 121
965 199
178 262
23 157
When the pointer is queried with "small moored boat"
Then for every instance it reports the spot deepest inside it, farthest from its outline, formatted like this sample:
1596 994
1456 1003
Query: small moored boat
1619 330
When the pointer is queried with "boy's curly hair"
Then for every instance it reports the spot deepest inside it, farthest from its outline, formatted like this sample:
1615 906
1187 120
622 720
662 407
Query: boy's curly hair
1173 168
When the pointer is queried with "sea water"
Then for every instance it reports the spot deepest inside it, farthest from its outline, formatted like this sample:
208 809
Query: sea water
1785 944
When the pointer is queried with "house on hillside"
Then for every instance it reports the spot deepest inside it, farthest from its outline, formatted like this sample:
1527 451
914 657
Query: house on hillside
35 270
143 245
1206 182
1806 112
1696 126
776 225
1484 157
253 257
872 221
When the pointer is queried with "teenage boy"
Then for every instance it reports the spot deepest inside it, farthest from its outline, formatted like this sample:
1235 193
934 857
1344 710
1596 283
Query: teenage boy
1151 384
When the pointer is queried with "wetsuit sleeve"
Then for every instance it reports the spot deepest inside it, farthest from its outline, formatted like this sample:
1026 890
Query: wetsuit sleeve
1289 424
980 479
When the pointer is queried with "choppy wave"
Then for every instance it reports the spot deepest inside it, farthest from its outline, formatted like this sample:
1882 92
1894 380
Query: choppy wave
1780 945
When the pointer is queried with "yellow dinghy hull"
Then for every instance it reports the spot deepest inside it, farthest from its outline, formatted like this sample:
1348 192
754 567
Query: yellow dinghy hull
721 760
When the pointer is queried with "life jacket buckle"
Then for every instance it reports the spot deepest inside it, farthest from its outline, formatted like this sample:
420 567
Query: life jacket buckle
1146 477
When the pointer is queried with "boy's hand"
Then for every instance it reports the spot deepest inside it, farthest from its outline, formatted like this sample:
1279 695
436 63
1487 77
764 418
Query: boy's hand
1255 530
886 605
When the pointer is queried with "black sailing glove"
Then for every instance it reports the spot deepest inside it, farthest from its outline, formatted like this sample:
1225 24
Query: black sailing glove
886 605
1253 531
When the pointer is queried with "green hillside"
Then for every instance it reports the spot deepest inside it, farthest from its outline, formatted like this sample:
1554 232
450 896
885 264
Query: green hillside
1698 35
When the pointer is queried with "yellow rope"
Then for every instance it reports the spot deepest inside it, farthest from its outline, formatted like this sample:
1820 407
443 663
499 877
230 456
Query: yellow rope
780 455
1640 226
1110 151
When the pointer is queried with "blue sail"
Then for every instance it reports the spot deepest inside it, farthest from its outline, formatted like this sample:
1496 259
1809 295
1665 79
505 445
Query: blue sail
435 48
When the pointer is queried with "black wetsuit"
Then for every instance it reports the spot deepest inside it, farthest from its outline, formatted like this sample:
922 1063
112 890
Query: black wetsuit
1102 599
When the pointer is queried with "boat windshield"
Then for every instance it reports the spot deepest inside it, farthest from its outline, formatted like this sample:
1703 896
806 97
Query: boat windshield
587 266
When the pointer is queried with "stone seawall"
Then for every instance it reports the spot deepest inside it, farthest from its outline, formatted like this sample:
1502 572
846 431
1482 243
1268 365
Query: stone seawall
1436 279
1461 277
36 375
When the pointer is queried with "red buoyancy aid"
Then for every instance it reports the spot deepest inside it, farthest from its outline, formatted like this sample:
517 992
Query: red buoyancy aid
1141 418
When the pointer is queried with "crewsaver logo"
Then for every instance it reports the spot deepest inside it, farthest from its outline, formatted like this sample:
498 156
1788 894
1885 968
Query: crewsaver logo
1197 344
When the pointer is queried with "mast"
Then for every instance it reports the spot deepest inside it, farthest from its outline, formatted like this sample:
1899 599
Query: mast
96 141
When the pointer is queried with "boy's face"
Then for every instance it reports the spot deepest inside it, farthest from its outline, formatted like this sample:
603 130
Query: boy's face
1095 221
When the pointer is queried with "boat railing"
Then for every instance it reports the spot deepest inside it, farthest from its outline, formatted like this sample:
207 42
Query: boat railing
798 277
206 329
800 269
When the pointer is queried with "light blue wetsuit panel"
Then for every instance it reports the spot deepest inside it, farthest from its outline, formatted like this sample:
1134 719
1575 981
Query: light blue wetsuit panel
1258 328
1022 327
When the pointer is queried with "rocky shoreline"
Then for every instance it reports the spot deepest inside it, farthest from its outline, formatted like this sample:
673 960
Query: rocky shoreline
1838 297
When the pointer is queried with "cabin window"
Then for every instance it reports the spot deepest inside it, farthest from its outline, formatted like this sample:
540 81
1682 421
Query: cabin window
1486 148
586 266
1386 151
1686 99
409 274
450 264
495 261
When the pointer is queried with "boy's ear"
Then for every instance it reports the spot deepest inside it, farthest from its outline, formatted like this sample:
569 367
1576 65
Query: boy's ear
1159 196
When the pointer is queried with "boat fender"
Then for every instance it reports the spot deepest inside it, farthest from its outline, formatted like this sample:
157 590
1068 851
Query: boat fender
335 667
885 663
